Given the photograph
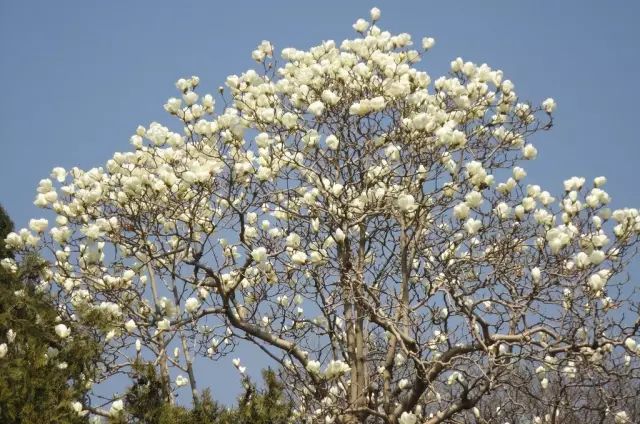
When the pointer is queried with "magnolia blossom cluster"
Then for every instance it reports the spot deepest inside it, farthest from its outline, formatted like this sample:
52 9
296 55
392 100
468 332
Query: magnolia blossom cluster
353 217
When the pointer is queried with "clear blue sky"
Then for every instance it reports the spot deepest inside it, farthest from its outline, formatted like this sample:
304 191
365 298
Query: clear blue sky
77 77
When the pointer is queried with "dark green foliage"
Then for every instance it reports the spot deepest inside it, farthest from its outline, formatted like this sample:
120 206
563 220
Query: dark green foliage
145 401
34 388
264 406
6 226
144 404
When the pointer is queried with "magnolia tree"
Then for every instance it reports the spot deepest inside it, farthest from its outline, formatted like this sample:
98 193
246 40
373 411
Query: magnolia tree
370 230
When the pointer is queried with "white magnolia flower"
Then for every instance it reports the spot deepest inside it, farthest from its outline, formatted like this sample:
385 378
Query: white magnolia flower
62 331
11 336
3 350
14 241
408 418
192 305
473 199
461 211
519 173
316 108
9 265
599 181
259 254
38 225
337 189
472 226
77 407
582 260
181 381
293 240
503 210
313 367
164 324
332 142
622 417
59 174
40 200
361 25
574 183
116 407
529 152
375 14
597 257
190 98
536 274
130 325
549 105
330 97
596 282
299 258
336 368
428 42
266 114
406 203
92 231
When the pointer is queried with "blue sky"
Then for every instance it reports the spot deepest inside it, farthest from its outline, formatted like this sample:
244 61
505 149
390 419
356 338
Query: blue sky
77 77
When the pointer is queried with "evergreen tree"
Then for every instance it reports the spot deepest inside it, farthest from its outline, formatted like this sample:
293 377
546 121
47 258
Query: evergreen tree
261 406
145 403
6 226
41 375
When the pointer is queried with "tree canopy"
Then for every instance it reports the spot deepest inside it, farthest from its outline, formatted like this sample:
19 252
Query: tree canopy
369 229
